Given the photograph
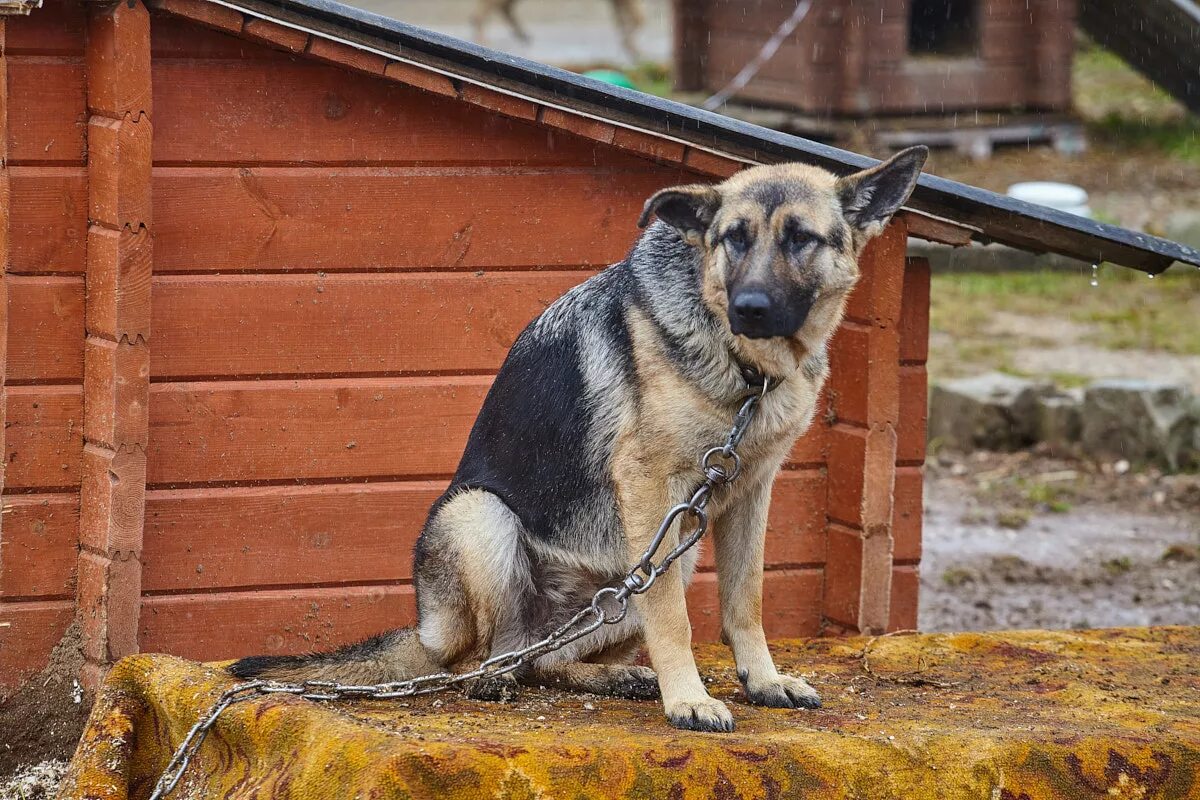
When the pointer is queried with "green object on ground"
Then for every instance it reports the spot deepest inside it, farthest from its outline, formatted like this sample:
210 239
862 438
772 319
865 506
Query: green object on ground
610 76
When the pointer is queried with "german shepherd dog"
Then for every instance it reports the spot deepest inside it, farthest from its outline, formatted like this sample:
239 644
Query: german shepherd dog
593 428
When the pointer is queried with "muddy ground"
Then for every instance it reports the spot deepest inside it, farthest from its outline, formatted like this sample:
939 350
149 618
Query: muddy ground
1029 541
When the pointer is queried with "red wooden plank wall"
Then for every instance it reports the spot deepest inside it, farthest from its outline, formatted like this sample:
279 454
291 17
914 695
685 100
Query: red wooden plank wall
340 262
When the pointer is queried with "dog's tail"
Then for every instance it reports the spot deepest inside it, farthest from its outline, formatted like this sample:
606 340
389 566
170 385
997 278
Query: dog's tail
393 656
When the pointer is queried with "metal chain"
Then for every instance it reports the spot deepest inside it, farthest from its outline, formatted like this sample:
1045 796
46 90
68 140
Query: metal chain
721 466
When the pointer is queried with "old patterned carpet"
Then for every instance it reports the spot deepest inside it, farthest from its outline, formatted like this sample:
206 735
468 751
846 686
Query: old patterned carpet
1010 716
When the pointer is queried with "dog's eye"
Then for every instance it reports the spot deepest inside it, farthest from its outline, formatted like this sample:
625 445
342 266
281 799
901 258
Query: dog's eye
798 239
736 238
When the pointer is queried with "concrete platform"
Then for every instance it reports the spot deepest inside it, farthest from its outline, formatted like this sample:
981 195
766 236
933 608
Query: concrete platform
1013 716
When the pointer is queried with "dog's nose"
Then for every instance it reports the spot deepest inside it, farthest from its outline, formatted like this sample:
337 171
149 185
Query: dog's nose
751 308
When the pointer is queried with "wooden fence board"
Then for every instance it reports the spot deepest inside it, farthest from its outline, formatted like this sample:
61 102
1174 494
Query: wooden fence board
228 625
293 536
47 110
57 29
38 550
32 631
381 218
45 327
309 430
233 111
48 219
42 442
337 324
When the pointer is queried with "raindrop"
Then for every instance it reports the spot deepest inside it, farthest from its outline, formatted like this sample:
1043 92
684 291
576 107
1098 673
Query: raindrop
1095 274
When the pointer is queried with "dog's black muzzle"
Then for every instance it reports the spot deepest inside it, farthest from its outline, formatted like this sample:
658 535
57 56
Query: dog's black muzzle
756 313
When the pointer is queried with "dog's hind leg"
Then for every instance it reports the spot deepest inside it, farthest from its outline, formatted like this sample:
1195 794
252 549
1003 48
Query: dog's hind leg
472 574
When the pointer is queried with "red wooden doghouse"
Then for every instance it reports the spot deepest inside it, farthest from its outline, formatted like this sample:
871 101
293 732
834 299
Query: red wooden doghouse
906 65
260 263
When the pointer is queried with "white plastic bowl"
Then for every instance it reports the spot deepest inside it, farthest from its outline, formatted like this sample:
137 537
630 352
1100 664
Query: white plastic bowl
1062 196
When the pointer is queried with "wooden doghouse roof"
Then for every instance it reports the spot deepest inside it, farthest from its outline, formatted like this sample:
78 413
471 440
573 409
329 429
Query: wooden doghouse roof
940 209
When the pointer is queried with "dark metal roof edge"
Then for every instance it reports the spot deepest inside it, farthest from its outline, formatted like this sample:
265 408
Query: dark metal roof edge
996 216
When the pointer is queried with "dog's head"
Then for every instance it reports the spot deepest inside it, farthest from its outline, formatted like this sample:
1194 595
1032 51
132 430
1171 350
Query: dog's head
781 243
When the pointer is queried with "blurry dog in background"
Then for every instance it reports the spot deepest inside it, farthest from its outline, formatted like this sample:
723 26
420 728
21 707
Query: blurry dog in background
629 16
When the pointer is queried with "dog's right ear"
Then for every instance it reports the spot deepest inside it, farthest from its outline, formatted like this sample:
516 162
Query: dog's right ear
688 209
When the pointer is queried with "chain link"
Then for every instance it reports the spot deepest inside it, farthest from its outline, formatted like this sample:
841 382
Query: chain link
720 466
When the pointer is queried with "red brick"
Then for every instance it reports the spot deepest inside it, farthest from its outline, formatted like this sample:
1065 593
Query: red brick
420 78
112 501
499 102
272 33
347 56
118 60
914 413
906 582
843 576
863 379
109 602
649 145
119 171
847 452
116 379
791 605
877 297
914 312
907 512
118 283
201 11
579 125
879 474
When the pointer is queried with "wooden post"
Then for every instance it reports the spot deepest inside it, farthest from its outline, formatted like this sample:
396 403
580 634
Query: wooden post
116 382
4 213
691 44
865 406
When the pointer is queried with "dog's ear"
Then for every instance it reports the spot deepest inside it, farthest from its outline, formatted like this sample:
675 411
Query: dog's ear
689 209
870 198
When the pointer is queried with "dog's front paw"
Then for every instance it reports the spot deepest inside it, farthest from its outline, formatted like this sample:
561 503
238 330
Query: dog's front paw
782 691
501 689
707 714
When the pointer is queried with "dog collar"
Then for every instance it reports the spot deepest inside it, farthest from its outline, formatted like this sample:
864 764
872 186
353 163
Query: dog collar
755 378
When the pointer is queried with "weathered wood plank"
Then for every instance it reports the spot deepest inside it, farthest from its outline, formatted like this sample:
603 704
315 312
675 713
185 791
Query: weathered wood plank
233 111
204 539
56 29
322 430
309 430
45 329
229 625
47 110
38 550
43 441
273 325
32 631
391 217
48 219
233 624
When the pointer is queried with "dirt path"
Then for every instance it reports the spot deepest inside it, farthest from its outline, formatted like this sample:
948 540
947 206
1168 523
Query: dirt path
1119 550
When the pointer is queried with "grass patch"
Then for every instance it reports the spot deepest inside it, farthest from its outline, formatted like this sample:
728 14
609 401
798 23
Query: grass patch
1127 310
1122 108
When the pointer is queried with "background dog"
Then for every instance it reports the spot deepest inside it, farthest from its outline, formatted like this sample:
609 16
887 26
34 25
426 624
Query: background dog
593 428
629 15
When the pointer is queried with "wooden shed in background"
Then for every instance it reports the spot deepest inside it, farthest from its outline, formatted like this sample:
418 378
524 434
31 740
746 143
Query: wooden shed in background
856 59
260 264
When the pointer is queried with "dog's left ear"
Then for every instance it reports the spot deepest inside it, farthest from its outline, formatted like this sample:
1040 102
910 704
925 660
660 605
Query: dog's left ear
689 209
870 198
